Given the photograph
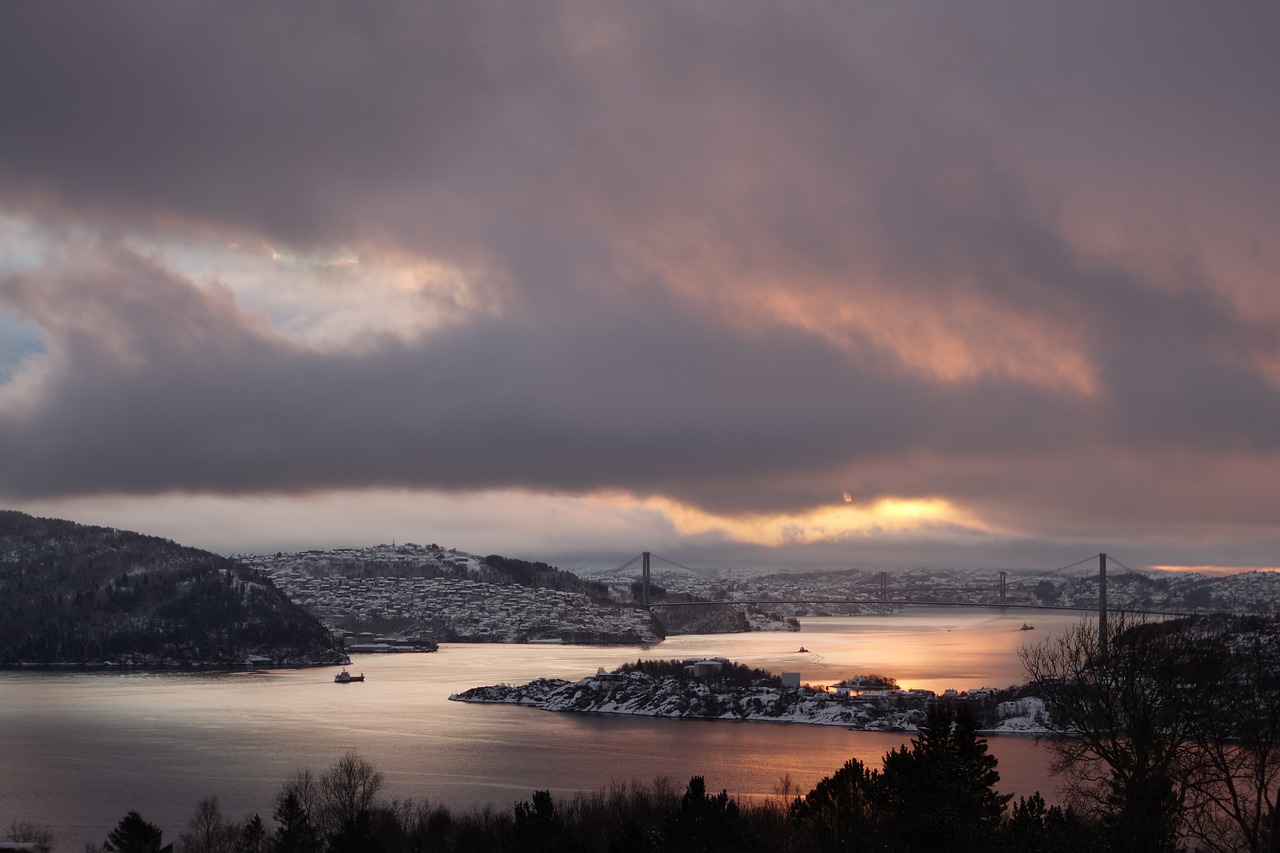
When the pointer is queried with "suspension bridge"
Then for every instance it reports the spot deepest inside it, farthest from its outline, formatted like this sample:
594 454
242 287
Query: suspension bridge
970 596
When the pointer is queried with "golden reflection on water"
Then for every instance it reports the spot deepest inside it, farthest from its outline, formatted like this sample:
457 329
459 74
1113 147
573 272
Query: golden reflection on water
78 750
931 648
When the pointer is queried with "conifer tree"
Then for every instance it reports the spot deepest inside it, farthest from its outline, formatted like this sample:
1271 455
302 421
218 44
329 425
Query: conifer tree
938 793
135 835
295 833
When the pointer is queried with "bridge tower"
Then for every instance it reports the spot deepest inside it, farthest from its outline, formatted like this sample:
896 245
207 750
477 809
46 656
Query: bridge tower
884 586
1102 604
1004 577
644 583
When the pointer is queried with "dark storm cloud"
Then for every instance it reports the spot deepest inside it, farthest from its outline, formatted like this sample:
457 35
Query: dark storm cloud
262 117
164 384
635 184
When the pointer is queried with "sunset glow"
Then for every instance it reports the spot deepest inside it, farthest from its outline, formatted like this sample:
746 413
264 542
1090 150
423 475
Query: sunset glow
886 516
1217 570
730 264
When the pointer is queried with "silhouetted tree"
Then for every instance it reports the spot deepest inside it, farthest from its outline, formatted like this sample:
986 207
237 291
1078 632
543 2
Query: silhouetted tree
208 832
355 835
537 826
939 792
252 837
346 790
705 824
29 832
295 833
1034 827
1231 797
839 813
1129 721
135 835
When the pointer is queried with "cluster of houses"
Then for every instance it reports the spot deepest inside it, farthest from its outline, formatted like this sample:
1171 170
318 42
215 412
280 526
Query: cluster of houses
453 608
867 689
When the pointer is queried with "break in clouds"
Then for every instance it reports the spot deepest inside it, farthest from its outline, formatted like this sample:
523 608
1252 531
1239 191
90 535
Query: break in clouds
737 259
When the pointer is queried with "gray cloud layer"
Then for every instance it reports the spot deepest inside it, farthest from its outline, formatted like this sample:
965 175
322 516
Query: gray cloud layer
1016 190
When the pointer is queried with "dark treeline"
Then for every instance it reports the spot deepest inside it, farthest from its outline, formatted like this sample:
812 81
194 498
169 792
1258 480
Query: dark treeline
731 674
1169 731
498 569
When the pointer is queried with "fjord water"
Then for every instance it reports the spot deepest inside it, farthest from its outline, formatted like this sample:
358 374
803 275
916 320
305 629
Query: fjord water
79 750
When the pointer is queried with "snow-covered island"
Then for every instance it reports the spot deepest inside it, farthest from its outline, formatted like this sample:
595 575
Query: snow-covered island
721 690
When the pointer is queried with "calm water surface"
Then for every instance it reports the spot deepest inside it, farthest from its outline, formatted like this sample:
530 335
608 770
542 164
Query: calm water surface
79 750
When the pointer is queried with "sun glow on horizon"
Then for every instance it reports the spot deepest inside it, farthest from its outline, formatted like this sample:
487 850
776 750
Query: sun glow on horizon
887 515
510 520
1217 570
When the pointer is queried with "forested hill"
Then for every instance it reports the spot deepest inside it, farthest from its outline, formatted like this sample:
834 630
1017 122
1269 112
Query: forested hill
542 576
71 594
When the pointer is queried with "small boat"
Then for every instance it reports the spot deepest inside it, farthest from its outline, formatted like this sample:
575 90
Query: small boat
1026 627
803 650
345 677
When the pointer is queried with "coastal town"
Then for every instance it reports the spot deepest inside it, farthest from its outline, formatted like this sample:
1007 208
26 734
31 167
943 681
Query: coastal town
411 592
440 594
847 592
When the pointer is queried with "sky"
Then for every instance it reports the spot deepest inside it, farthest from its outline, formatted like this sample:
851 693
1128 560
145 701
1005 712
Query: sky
869 285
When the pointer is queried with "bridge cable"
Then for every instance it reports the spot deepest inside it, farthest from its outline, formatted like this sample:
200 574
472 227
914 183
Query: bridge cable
674 563
628 563
1111 559
1064 568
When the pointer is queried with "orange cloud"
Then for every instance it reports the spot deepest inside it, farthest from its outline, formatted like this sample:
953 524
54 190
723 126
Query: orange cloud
887 515
1217 570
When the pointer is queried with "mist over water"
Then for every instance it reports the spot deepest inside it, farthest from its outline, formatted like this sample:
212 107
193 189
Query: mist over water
79 750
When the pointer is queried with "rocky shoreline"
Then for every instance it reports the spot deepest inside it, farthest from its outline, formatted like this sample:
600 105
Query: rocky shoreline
641 694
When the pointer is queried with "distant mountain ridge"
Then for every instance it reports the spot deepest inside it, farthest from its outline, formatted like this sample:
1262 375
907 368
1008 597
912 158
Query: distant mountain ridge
77 595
